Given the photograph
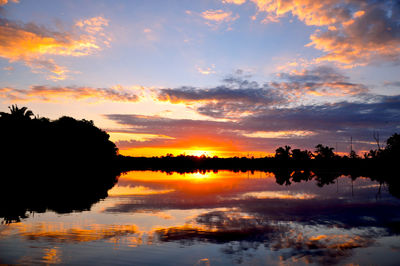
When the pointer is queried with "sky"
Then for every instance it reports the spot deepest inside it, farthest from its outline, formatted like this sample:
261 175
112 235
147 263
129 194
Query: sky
214 77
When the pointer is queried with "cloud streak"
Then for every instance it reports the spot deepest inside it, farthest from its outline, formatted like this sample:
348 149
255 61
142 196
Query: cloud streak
46 94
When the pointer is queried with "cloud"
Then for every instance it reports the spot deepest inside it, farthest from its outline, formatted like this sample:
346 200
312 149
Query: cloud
239 96
392 83
369 38
167 126
92 25
224 101
351 32
217 15
214 18
324 123
4 2
342 116
45 93
220 93
316 13
237 2
318 81
181 133
207 70
34 45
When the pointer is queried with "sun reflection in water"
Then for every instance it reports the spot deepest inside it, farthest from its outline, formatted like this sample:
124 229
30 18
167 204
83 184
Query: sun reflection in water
199 176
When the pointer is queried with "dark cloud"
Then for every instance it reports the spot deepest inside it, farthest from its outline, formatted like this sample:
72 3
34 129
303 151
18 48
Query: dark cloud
330 117
151 124
253 94
236 96
318 81
371 36
329 123
239 96
317 74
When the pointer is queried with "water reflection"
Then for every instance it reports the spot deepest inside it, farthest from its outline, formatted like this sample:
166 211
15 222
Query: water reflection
239 234
285 216
65 192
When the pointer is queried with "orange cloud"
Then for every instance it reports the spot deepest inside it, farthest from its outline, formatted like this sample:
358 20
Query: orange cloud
279 134
236 2
214 18
207 70
4 2
93 25
316 13
353 32
9 68
43 93
352 50
217 15
34 45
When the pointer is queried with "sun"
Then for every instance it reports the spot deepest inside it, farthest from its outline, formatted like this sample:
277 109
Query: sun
199 153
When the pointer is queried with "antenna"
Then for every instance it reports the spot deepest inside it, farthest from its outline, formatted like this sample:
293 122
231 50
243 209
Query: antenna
351 144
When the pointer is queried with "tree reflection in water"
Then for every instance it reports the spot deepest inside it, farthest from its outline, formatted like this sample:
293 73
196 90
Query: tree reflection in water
61 192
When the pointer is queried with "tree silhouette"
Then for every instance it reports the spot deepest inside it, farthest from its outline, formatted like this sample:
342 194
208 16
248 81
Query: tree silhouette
354 155
283 153
393 146
39 143
63 165
324 152
298 154
17 113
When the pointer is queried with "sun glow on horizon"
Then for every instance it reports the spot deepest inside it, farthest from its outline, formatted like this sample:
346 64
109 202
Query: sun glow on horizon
163 151
200 152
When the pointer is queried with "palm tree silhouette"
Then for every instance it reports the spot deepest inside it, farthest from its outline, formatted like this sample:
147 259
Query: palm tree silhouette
18 113
283 153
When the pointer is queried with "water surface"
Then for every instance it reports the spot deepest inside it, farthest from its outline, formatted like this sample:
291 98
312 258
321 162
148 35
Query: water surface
256 218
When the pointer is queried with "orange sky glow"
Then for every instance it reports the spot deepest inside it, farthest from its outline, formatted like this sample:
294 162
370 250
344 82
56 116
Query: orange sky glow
216 78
